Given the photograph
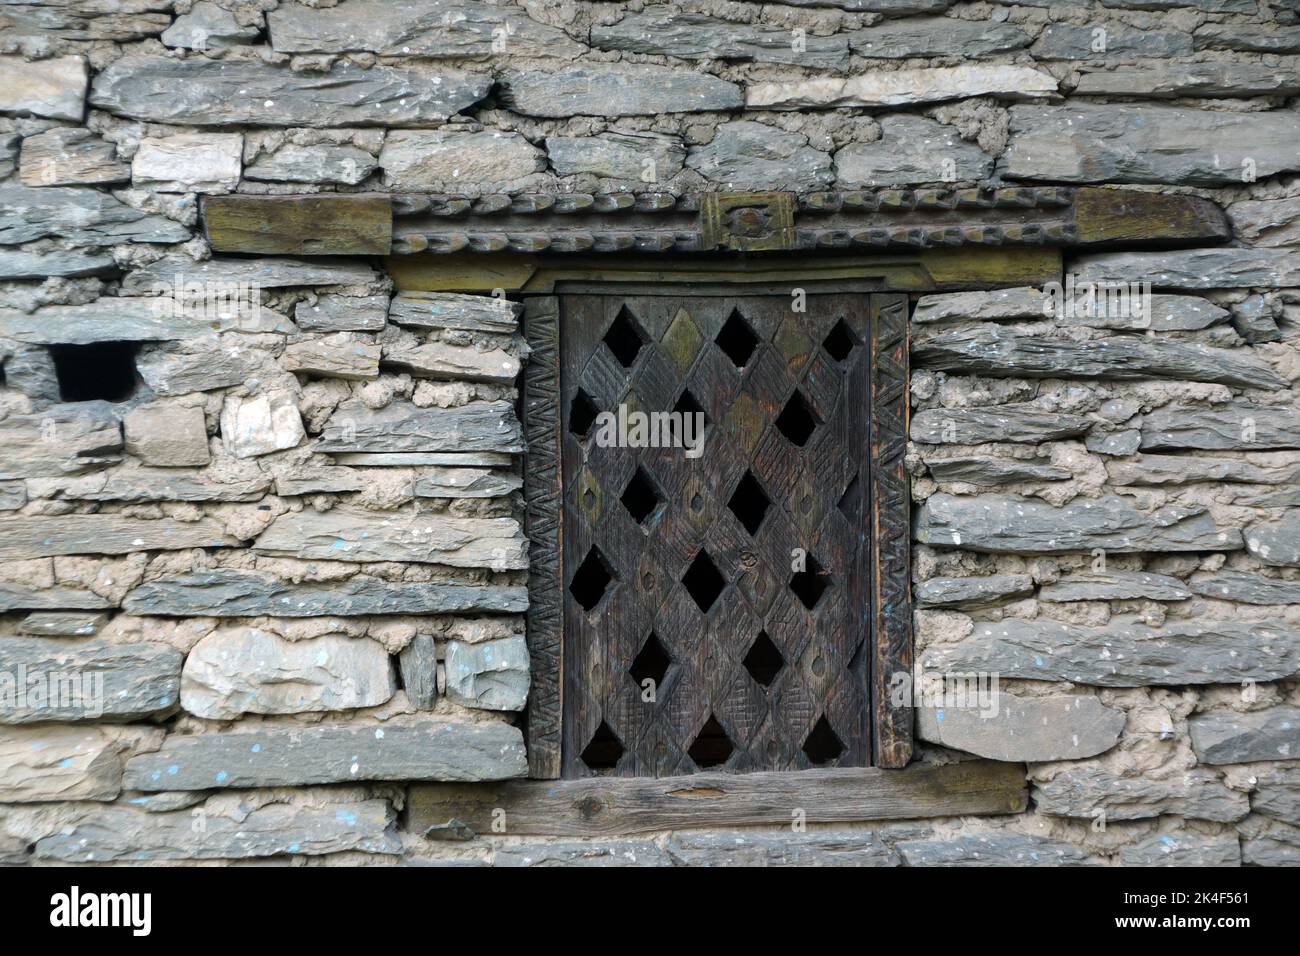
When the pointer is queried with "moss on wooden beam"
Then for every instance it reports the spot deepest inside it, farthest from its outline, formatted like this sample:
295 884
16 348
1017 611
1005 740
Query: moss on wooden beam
317 225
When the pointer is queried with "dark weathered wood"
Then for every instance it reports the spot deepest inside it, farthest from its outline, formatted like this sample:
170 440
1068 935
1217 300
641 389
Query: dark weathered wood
542 494
613 806
319 225
1127 216
890 537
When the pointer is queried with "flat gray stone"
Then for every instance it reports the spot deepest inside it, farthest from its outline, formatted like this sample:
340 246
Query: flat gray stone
45 536
1160 80
39 764
1243 587
430 28
266 272
1024 729
1226 736
23 597
997 351
640 156
1115 586
433 159
29 370
1277 791
492 675
465 483
128 319
911 150
167 434
332 753
20 264
328 480
1083 791
189 162
1124 653
1266 222
752 848
79 215
120 833
605 853
13 495
1004 524
70 156
1014 423
937 36
207 27
1196 268
972 592
1117 444
453 310
418 663
60 440
1169 313
1248 38
231 92
243 670
902 87
340 355
63 623
888 8
1005 848
1184 849
484 459
1024 302
1266 842
454 362
696 36
345 165
1147 144
46 679
988 472
616 89
749 155
1236 426
225 593
1081 41
1276 543
344 534
1209 6
198 366
342 313
1190 469
55 88
403 427
1254 319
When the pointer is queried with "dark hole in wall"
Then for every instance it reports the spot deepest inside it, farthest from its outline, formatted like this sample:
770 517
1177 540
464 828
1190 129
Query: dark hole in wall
101 370
712 747
603 750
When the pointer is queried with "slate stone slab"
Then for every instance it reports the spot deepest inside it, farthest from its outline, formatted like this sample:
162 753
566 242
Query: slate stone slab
39 764
493 675
226 593
452 310
911 150
131 319
431 28
342 313
291 163
19 264
1146 144
1196 268
1277 791
1083 790
1024 302
972 592
330 753
60 440
1189 469
1248 38
902 88
1117 444
1079 41
988 472
617 853
80 215
1243 587
696 36
420 160
937 36
1276 542
198 366
63 623
974 426
1236 426
55 87
1006 848
266 272
753 848
64 679
999 523
1124 653
1115 586
25 597
997 351
616 89
70 156
464 483
1266 222
640 156
418 663
343 357
1266 842
403 427
749 155
13 495
1192 79
49 535
120 833
1225 736
228 92
454 362
351 535
1184 849
1024 729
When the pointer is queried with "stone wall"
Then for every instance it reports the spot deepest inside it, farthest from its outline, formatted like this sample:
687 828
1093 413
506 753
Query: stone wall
261 551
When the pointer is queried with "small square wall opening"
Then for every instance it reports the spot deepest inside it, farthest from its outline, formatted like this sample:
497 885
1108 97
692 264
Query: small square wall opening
99 371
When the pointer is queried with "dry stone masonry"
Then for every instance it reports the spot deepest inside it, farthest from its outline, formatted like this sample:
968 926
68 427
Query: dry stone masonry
262 545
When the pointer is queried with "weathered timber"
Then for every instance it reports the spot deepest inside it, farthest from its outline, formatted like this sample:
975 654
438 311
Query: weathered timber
613 806
319 225
1122 216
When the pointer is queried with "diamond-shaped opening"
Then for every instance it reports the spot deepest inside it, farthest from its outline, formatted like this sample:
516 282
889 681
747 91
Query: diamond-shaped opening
797 421
809 584
763 660
625 338
712 746
749 503
850 502
839 342
703 582
737 340
651 662
603 751
582 414
592 580
641 498
822 745
687 405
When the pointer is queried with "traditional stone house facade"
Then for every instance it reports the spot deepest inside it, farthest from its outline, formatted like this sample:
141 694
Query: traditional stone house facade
290 480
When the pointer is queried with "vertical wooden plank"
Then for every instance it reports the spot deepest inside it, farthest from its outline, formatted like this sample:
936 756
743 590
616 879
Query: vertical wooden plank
542 496
890 532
